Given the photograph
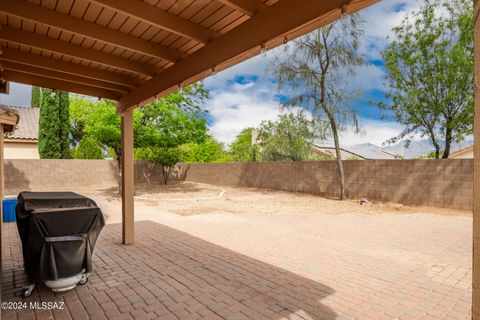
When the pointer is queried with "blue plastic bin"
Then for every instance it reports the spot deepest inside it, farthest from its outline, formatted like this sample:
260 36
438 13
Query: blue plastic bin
8 206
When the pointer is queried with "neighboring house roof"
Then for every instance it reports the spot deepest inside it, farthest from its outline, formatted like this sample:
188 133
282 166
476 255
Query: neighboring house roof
461 151
365 151
9 118
370 151
27 127
330 148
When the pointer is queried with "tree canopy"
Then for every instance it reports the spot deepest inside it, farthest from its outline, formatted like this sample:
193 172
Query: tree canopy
289 138
242 149
210 150
430 73
160 128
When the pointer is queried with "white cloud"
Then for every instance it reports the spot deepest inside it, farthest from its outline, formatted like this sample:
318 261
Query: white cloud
380 19
368 77
239 107
376 132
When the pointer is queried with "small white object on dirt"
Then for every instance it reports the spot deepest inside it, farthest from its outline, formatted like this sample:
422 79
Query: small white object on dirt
182 199
365 202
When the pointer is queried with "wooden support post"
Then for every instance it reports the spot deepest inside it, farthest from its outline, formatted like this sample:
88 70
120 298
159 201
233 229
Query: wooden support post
127 178
476 178
2 194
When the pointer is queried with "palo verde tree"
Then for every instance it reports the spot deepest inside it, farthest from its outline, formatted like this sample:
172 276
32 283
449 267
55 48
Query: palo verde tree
430 73
53 142
317 68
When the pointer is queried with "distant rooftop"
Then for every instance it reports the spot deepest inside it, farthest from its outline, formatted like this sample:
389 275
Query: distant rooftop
371 151
461 150
365 151
8 118
27 128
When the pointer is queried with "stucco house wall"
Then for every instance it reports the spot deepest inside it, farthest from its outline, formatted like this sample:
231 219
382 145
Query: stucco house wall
22 143
21 150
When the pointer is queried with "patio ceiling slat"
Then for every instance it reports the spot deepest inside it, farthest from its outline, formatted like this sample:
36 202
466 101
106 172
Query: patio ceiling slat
248 7
62 21
45 43
66 67
161 19
29 69
45 82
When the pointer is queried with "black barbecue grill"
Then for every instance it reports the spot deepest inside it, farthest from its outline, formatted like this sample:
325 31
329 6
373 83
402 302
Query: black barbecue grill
58 231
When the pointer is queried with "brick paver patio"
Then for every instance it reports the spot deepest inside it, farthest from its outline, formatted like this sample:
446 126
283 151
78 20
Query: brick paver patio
266 267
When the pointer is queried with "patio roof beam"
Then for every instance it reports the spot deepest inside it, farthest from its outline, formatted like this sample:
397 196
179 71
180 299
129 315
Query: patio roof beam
162 19
28 59
272 23
61 47
45 82
248 7
13 66
35 13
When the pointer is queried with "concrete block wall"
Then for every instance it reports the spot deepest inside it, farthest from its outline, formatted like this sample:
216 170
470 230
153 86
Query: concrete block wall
56 174
34 174
440 183
221 174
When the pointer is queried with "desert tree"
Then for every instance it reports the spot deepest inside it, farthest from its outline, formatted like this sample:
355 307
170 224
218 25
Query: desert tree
243 148
210 150
316 69
289 138
430 74
160 128
53 141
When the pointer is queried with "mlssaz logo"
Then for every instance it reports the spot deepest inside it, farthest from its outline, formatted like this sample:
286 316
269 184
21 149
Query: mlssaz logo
47 305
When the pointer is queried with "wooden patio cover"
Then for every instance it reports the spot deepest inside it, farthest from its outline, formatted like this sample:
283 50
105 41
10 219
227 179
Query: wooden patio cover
134 51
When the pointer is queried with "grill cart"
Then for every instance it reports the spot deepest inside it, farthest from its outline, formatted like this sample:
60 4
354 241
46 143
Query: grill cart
58 231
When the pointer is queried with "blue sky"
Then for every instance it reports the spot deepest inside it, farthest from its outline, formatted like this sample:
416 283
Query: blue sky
245 94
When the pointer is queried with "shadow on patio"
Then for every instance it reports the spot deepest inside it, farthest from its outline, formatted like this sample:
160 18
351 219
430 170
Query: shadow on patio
169 274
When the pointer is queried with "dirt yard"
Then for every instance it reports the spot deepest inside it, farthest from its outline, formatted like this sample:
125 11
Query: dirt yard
187 198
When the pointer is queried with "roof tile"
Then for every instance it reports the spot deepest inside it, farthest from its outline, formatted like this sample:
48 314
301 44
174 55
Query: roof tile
27 127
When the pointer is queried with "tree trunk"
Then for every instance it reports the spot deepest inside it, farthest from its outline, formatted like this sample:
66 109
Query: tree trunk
448 142
437 147
437 150
167 170
341 173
